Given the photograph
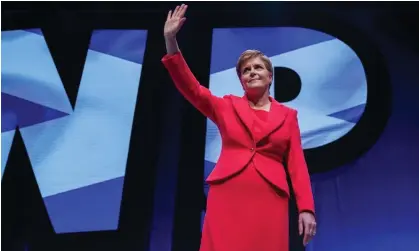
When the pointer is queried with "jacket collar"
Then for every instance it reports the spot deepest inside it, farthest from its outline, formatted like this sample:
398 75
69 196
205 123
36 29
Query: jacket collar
276 116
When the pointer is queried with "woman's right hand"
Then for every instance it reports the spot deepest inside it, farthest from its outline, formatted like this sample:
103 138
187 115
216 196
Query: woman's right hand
175 21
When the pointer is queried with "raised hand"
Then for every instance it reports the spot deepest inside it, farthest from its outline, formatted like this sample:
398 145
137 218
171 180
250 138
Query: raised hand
175 21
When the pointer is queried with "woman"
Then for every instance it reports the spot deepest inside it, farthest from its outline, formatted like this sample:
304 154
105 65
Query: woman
247 204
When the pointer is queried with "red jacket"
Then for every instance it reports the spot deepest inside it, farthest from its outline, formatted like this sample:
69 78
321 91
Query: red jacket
281 141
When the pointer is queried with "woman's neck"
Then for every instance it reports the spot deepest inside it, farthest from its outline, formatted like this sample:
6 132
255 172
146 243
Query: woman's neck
259 102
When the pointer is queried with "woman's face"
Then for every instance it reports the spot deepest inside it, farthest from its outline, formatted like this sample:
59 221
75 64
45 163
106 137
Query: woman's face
255 77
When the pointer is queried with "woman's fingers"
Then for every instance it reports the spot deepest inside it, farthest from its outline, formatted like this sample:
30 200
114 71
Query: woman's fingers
313 229
180 11
306 233
300 227
169 15
175 12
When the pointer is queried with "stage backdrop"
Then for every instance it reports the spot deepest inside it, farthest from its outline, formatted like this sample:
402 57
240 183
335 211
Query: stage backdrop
78 154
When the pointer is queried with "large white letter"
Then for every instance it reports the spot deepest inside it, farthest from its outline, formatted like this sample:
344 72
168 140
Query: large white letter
78 156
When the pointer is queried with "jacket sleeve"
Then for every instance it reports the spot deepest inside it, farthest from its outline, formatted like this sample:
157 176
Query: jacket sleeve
199 96
297 168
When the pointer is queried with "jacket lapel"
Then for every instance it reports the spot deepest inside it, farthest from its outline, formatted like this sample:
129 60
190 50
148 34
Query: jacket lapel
276 118
242 108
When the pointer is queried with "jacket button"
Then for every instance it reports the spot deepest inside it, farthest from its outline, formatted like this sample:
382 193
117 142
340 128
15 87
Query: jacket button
252 149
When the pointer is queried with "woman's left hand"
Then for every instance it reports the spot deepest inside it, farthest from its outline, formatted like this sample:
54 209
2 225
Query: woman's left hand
307 225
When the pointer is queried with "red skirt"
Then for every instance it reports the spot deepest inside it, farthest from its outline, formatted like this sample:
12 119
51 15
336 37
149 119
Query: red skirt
245 213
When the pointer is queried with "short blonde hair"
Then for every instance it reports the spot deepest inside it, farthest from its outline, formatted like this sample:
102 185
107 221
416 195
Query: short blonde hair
249 54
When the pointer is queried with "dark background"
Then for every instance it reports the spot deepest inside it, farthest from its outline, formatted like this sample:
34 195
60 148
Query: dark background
171 130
